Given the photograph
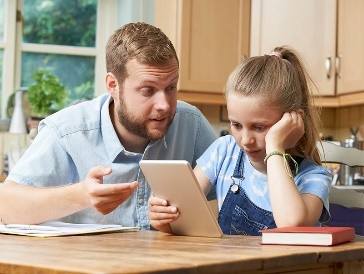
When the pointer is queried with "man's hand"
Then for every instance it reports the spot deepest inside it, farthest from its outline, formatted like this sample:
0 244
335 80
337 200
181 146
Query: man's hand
105 198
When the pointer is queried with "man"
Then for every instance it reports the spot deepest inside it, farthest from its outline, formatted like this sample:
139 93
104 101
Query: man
83 166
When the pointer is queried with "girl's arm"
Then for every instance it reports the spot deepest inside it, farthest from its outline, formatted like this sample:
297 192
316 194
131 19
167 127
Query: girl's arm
289 207
202 179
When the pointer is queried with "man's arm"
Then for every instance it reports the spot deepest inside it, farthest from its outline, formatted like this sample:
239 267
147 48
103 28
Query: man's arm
33 205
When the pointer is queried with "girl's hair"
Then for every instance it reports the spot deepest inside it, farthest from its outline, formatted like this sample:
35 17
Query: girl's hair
282 81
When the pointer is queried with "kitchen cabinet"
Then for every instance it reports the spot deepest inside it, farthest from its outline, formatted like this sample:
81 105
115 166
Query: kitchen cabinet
350 52
329 36
211 37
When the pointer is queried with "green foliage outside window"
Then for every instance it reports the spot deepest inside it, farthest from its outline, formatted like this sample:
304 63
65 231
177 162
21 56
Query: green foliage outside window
60 22
2 19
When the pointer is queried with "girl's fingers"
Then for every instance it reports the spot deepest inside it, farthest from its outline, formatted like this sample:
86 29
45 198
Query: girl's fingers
162 216
157 201
162 209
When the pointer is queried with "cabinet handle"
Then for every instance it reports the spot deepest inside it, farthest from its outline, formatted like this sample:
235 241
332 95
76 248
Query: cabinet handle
337 65
328 67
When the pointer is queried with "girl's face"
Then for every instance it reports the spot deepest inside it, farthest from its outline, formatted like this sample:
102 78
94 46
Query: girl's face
250 121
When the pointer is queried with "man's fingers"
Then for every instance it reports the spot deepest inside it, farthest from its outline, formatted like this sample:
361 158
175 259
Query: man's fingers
106 204
98 172
117 189
106 208
122 196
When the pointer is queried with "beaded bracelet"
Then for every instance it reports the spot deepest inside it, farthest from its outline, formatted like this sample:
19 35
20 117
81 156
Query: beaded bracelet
286 165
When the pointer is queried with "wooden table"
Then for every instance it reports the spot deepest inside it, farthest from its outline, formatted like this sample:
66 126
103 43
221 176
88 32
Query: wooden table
151 251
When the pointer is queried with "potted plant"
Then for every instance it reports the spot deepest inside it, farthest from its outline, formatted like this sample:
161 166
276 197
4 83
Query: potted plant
46 96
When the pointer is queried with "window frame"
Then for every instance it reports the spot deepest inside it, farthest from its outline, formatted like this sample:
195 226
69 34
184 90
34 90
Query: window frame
107 22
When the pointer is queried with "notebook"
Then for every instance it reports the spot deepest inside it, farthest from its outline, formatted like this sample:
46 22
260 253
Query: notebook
174 181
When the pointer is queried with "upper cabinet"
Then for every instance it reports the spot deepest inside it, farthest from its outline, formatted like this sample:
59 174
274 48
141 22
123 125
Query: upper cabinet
328 34
309 26
210 36
350 51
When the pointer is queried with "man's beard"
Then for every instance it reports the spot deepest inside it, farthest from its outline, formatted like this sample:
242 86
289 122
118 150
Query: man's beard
138 127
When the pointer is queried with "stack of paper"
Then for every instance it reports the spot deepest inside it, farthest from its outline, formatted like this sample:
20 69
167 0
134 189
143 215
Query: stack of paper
56 228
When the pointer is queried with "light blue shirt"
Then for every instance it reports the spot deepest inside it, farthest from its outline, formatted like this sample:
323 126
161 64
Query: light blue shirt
82 136
218 163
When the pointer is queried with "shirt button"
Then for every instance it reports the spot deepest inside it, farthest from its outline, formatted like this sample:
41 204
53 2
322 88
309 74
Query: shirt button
141 201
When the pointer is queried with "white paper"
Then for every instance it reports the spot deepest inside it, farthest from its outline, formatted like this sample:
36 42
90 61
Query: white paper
57 228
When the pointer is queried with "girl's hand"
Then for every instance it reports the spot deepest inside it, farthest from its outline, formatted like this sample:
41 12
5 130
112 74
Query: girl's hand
286 132
161 214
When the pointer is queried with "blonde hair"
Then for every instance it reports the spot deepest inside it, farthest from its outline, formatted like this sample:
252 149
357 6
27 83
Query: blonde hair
143 42
282 80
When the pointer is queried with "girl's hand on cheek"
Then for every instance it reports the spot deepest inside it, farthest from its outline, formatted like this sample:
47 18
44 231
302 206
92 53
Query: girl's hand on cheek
286 132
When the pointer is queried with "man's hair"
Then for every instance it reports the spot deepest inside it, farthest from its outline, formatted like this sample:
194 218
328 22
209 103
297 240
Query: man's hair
143 42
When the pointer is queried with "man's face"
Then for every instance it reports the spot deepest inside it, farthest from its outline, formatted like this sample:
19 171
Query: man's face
147 100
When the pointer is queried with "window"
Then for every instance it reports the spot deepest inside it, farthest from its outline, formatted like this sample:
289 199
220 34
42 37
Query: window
2 23
60 24
67 37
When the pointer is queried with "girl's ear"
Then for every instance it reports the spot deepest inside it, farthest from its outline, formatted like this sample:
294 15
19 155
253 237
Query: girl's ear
301 112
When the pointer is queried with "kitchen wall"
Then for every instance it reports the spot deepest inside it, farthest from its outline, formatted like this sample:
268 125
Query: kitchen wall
336 121
12 147
136 11
340 120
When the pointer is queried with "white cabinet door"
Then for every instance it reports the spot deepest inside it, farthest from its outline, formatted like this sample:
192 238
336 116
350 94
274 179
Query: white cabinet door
309 26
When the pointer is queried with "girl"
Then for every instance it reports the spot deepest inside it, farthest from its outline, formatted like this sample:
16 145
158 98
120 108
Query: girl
268 173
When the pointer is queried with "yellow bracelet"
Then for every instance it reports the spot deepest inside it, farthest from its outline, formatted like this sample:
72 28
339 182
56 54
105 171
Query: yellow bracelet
286 165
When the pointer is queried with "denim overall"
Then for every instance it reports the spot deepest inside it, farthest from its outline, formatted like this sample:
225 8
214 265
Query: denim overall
238 214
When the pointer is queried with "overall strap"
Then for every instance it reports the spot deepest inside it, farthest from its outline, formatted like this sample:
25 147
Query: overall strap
239 166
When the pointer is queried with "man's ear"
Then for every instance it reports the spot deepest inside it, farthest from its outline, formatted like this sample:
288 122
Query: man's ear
112 84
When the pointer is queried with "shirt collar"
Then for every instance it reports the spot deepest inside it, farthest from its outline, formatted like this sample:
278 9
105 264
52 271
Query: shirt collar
112 144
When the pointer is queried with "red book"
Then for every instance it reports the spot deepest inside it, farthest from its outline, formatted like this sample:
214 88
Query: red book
324 236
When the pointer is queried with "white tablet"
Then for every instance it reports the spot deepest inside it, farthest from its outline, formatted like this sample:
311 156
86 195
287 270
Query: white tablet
174 181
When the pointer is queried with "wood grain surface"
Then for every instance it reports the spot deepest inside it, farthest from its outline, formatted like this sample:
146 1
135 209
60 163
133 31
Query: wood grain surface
151 251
